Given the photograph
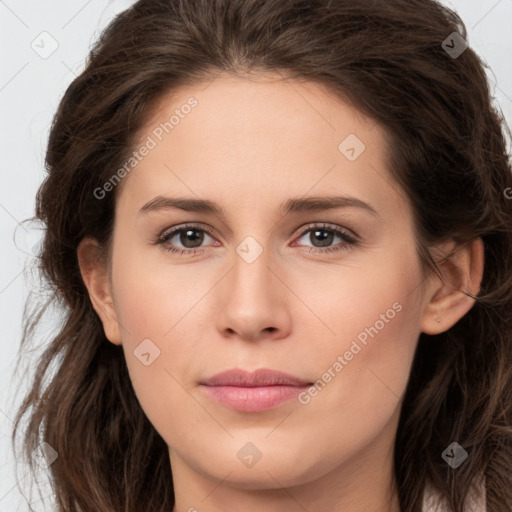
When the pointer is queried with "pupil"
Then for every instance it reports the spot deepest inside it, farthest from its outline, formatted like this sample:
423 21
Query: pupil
188 236
326 240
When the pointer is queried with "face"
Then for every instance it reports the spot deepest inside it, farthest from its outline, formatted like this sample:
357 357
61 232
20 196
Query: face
303 261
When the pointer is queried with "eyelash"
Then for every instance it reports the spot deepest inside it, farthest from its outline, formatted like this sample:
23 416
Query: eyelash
348 240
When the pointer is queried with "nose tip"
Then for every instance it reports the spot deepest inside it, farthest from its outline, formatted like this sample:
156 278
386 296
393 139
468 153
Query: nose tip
249 333
253 305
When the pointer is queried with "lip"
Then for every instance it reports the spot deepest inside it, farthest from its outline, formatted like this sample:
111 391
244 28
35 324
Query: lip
253 392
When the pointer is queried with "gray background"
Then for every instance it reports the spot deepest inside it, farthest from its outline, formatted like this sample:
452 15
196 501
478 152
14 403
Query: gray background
32 82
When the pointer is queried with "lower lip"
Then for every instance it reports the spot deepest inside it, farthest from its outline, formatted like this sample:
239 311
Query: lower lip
253 399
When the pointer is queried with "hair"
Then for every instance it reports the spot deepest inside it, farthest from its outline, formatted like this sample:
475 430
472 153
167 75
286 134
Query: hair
446 150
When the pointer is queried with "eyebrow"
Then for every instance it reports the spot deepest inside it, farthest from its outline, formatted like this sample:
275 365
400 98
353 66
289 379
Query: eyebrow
290 206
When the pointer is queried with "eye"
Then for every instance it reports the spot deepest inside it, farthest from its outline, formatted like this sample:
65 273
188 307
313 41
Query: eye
188 239
324 235
190 236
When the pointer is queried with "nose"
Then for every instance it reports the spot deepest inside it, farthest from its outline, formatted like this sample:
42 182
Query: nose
253 298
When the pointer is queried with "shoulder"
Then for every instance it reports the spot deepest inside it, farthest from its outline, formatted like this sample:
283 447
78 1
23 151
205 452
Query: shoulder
433 502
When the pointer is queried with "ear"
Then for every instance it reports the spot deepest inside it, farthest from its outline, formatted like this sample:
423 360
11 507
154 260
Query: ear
461 271
95 274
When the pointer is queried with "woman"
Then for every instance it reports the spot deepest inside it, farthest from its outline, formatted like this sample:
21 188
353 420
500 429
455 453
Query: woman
282 237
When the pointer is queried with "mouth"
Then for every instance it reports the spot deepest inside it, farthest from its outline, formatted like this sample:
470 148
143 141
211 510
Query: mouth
253 392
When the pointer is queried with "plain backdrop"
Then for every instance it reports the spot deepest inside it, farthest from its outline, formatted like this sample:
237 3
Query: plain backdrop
43 47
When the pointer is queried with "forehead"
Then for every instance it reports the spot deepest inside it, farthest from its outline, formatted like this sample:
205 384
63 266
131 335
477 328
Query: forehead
237 106
244 137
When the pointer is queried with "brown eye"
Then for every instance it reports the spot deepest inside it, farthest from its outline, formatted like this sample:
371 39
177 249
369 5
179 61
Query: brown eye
184 239
190 238
322 237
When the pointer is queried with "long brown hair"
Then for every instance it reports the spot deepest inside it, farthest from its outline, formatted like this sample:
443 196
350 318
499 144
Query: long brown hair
447 151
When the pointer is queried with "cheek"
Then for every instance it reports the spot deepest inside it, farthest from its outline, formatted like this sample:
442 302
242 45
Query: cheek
370 318
153 296
371 353
374 298
362 375
160 309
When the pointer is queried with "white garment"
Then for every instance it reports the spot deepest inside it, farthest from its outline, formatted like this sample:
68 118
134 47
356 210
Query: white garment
476 502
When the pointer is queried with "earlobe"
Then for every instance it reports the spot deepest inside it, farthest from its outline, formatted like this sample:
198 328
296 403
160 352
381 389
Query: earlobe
94 270
462 271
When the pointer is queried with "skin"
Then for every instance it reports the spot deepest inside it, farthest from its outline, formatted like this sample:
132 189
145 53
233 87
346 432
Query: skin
251 144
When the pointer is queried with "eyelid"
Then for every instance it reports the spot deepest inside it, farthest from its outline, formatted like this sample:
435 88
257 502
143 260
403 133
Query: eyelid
349 237
299 232
191 225
319 225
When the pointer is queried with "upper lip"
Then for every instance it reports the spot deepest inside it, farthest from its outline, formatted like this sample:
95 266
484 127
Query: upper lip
258 378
